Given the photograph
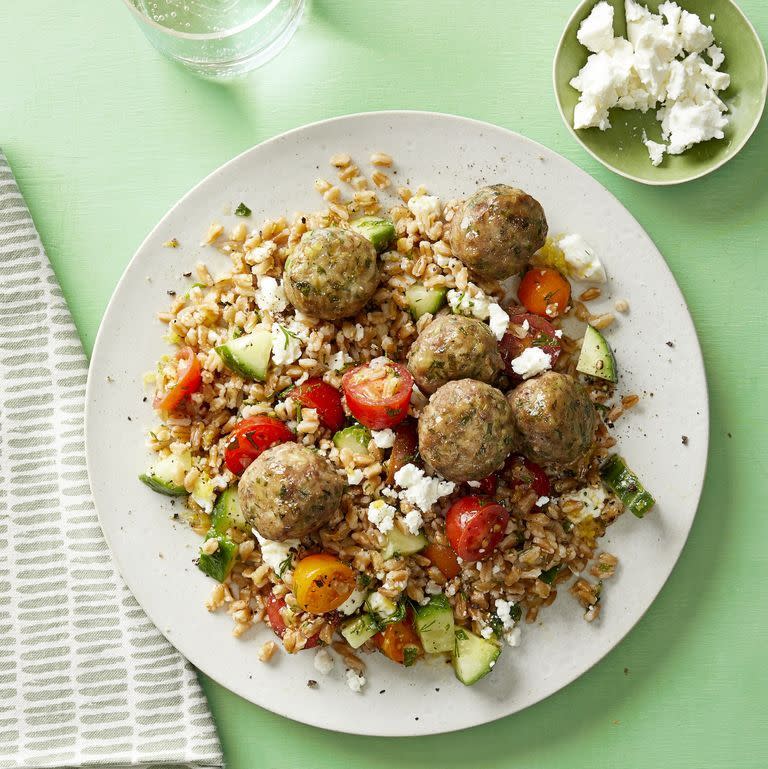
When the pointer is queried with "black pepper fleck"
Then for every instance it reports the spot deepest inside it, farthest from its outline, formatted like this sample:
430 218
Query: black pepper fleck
129 419
729 435
312 684
626 671
382 691
144 399
670 344
170 292
437 688
187 274
685 440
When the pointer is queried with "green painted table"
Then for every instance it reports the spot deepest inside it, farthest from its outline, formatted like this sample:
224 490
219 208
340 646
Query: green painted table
105 135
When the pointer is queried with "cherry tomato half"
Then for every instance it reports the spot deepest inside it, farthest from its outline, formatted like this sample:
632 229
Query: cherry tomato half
474 526
528 330
188 381
378 394
404 449
399 642
520 471
486 487
277 623
251 437
324 398
544 291
443 558
321 583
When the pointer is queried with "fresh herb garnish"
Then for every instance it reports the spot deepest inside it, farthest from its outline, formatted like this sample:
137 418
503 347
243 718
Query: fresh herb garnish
288 336
242 210
549 575
410 655
285 565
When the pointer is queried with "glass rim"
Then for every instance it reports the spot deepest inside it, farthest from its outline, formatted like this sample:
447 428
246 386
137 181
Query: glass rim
201 35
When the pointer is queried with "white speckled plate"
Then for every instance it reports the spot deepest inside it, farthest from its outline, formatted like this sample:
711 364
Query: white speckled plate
451 156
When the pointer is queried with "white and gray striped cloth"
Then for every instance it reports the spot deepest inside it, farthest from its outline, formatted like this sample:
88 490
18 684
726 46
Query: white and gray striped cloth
85 678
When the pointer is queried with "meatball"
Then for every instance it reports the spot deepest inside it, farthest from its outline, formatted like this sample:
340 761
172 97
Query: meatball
332 273
497 231
466 430
288 492
554 417
454 347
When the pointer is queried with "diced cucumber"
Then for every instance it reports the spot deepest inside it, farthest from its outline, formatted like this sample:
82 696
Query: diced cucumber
219 563
617 476
355 438
381 232
402 544
227 513
359 630
204 493
248 355
167 475
596 358
383 610
434 624
473 656
422 300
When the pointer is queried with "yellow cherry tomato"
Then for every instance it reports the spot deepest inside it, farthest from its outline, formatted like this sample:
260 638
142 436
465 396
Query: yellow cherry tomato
321 583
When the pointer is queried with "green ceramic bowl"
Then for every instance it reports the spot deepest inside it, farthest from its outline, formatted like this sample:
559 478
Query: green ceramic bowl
620 147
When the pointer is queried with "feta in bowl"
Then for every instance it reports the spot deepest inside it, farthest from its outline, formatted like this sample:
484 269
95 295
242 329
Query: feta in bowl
676 138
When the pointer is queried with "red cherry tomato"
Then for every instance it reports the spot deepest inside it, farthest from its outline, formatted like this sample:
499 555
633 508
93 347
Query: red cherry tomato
324 398
276 622
487 487
528 330
544 291
444 558
475 526
404 449
399 642
520 471
188 381
250 438
378 395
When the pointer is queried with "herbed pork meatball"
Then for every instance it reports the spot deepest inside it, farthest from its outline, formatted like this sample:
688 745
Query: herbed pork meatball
466 431
454 347
497 230
288 492
554 417
331 274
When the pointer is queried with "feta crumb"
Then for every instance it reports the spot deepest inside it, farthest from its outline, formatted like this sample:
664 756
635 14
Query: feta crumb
426 209
274 554
558 333
592 500
388 492
596 31
384 439
355 681
512 637
498 320
464 303
716 55
270 295
354 602
338 360
474 484
381 605
504 613
531 361
286 346
323 661
487 631
433 588
526 325
419 489
413 521
580 259
655 150
450 589
355 477
541 501
381 515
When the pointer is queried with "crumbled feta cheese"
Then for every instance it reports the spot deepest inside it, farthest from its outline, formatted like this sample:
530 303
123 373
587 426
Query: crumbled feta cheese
512 637
487 631
526 325
580 259
338 360
355 477
355 681
270 295
420 489
592 499
387 492
658 66
323 661
558 333
381 605
498 320
413 521
474 484
381 515
531 361
426 209
384 439
541 501
433 588
464 303
354 602
596 31
274 554
286 346
450 589
504 613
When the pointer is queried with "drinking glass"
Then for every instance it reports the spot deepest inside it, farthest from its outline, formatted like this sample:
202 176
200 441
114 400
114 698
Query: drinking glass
218 38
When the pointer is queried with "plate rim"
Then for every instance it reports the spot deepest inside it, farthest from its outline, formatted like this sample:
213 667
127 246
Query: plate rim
100 341
659 182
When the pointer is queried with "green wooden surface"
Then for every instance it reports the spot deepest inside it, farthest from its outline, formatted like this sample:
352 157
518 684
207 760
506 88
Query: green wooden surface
104 136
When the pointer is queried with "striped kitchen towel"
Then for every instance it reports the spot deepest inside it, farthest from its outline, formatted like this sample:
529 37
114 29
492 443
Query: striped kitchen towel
85 678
